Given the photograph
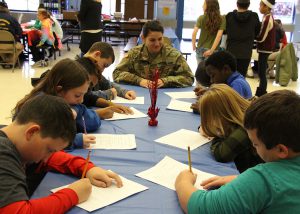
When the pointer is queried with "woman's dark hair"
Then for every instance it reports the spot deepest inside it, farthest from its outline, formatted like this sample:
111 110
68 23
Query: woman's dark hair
152 26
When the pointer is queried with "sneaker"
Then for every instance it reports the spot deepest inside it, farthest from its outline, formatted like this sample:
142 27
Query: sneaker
250 73
36 64
271 74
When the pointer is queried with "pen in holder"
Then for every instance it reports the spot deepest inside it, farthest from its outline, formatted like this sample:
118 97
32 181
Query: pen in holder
153 110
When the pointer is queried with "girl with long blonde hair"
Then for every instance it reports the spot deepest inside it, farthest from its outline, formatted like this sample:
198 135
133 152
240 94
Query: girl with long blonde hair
222 113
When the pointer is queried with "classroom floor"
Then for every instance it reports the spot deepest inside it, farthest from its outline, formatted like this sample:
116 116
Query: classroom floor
15 85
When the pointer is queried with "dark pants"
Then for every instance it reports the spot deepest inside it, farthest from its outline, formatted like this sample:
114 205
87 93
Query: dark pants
262 68
88 39
242 66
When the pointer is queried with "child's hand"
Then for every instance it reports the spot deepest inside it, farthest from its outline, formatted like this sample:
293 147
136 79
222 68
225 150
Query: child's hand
199 91
185 177
145 83
103 178
105 113
87 140
83 189
121 109
195 107
114 93
130 95
217 181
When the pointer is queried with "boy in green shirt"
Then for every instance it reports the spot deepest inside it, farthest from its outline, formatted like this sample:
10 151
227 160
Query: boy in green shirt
272 187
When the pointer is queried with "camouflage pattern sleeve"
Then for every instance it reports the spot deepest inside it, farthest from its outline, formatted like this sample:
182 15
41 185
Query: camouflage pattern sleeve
181 76
124 72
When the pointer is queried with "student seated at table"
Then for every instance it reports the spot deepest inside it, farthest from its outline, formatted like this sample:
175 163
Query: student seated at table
221 68
222 112
99 57
9 23
137 67
69 80
46 36
272 123
30 146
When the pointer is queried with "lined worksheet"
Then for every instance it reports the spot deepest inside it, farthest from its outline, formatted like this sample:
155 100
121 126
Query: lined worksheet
183 138
102 197
114 141
166 171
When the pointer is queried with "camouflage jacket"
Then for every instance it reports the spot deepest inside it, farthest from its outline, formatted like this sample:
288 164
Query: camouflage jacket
138 65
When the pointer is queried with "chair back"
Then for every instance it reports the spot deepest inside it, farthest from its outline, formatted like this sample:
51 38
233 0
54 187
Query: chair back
7 42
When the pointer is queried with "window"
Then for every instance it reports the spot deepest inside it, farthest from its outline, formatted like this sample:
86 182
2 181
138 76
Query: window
31 5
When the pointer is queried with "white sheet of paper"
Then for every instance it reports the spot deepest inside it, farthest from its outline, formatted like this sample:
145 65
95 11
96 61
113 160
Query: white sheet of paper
102 197
181 94
183 138
136 114
137 100
114 141
165 172
179 105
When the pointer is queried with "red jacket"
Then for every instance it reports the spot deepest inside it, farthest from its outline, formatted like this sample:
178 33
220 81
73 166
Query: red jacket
59 202
266 38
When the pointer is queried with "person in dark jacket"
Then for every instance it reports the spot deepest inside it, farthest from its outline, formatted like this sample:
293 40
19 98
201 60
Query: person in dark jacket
242 26
9 23
89 18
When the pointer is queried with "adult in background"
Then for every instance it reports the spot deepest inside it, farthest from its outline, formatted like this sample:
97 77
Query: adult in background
9 23
142 60
89 18
242 26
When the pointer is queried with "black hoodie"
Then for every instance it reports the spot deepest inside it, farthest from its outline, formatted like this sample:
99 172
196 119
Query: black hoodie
241 28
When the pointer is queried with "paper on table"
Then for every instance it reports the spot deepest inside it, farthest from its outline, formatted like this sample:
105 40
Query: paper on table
114 141
137 100
136 114
179 105
165 172
183 138
181 94
101 197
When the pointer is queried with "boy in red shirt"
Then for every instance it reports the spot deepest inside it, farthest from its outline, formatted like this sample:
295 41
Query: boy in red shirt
30 146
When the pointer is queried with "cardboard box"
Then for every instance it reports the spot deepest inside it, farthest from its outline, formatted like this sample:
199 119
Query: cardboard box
70 14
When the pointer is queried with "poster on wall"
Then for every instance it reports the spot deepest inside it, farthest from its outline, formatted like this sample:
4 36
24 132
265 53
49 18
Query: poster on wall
284 10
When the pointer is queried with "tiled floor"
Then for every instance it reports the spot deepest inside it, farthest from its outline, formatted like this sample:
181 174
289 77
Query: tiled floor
14 86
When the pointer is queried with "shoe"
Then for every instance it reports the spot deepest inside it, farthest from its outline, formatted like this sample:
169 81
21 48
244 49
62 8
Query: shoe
271 74
250 73
36 64
259 92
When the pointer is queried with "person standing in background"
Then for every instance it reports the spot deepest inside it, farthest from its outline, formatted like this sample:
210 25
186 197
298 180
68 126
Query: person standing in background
89 18
242 26
265 43
212 25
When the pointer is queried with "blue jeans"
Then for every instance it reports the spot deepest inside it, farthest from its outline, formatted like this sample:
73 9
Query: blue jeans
199 54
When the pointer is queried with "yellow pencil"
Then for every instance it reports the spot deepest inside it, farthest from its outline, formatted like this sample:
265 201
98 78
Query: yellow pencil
86 164
189 156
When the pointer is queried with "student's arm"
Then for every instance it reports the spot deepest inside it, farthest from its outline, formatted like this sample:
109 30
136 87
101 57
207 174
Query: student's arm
59 202
265 28
181 76
194 35
184 185
69 164
83 10
225 150
215 44
217 38
244 194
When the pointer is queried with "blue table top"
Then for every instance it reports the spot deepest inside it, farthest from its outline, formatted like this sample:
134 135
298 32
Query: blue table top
157 199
